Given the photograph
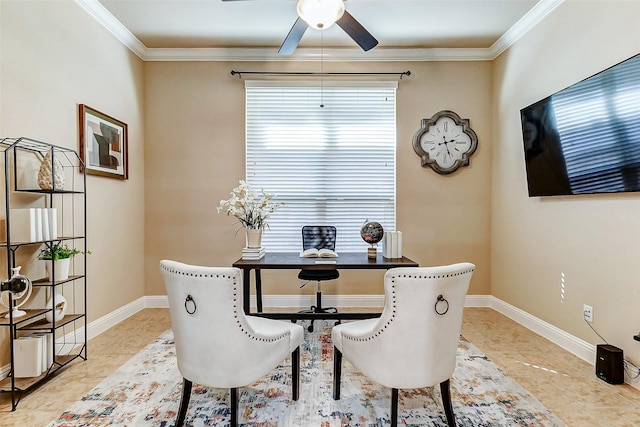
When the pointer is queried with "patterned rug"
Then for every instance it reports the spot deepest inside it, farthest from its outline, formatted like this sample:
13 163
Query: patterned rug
146 391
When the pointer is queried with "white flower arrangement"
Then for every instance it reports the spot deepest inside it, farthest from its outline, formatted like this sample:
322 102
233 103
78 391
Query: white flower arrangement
251 207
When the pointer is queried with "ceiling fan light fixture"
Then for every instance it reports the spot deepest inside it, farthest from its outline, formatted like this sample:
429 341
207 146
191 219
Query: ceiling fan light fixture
320 14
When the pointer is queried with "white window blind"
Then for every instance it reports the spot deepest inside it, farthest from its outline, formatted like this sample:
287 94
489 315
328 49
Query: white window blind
331 165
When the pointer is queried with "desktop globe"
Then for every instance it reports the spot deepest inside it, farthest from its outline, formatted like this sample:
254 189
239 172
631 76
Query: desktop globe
371 232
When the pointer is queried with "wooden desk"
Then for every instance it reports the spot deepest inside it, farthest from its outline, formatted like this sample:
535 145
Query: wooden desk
293 261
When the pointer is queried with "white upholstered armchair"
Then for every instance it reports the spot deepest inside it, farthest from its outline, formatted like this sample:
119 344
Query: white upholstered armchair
216 344
414 342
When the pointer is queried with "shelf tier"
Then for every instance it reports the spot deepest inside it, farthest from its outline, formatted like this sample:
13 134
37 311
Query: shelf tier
34 145
38 324
25 384
43 324
31 314
4 244
40 191
46 282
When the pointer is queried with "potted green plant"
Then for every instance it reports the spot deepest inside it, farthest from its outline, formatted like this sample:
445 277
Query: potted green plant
60 255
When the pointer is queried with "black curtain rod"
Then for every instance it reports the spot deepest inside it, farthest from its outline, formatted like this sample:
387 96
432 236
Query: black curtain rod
314 74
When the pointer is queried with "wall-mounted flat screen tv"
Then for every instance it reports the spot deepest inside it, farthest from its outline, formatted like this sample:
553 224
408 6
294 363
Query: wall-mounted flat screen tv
585 139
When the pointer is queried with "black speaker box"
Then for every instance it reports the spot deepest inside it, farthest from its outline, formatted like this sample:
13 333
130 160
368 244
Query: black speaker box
610 364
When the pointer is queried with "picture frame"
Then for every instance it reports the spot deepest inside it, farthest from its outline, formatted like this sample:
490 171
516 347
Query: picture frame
104 144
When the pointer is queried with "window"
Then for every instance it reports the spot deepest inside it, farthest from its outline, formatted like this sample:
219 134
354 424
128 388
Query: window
331 165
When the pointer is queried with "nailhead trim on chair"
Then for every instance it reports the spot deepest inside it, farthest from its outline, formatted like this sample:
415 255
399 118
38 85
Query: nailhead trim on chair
383 327
393 299
235 304
436 276
246 332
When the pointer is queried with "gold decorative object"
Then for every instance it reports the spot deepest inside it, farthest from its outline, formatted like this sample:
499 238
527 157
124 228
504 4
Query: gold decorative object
45 175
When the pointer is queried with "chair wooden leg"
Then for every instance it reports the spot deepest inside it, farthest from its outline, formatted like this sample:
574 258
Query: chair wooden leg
184 401
394 407
337 372
446 402
234 407
258 290
295 373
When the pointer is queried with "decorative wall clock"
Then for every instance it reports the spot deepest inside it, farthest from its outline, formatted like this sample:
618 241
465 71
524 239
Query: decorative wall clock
445 142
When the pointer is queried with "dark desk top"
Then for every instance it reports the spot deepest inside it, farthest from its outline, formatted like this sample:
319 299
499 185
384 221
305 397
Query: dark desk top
347 260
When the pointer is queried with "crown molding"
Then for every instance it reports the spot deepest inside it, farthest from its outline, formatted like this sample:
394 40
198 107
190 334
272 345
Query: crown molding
524 25
115 27
317 55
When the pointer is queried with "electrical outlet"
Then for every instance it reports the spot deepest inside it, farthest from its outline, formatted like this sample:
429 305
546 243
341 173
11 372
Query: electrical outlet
587 313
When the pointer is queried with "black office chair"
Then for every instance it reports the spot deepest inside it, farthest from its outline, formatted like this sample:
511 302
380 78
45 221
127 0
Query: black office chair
318 237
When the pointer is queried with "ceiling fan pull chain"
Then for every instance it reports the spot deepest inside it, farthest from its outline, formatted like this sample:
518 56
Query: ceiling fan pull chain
322 69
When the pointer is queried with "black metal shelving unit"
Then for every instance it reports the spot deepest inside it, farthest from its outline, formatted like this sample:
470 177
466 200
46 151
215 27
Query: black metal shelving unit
68 335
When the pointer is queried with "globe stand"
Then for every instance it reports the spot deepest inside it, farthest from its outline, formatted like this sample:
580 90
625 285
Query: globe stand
16 313
372 252
372 233
17 287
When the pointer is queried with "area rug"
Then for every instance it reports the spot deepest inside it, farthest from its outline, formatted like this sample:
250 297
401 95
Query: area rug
146 391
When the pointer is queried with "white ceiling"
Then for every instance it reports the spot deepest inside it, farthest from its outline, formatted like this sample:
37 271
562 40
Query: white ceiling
160 29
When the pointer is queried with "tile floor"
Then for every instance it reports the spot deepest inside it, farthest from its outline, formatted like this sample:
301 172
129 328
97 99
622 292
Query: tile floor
562 382
565 384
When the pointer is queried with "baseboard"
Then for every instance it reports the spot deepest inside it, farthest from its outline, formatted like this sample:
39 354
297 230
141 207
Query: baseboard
156 301
102 324
574 345
478 301
4 371
296 301
579 348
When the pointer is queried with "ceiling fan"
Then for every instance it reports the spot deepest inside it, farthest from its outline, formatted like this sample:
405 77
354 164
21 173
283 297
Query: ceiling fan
322 14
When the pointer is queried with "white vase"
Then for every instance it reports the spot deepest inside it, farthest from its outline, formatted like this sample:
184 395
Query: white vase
61 267
58 311
254 237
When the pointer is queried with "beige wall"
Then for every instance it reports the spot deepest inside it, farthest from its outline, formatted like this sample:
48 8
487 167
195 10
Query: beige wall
194 127
54 57
592 240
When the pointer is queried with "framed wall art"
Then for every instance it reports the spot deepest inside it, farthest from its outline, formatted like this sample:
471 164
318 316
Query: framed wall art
103 144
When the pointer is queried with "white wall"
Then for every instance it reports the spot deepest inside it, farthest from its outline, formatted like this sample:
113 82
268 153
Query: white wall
593 241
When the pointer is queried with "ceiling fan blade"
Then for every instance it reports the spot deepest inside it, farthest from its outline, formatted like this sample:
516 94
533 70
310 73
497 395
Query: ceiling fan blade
357 32
296 32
